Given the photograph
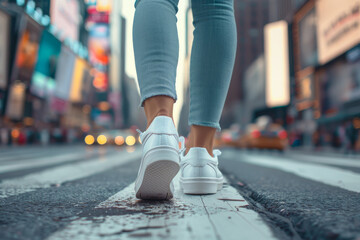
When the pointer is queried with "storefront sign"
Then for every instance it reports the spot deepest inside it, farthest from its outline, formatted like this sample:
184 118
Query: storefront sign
338 27
306 88
16 101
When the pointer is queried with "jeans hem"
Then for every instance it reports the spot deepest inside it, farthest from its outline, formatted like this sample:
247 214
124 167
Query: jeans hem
207 124
156 94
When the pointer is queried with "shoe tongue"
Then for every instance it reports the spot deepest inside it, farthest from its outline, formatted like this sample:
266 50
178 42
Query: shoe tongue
162 124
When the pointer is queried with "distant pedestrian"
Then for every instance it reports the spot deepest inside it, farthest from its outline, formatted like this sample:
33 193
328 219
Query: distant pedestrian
156 50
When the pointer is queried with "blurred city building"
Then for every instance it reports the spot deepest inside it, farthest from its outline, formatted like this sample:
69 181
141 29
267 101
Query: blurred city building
123 92
254 83
45 79
326 36
117 63
56 79
63 74
251 17
297 62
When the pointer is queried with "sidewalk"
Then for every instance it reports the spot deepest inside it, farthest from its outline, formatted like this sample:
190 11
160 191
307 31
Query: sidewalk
225 215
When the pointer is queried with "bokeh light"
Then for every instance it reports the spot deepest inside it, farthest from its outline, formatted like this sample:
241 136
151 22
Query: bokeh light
101 139
15 133
119 140
89 139
130 140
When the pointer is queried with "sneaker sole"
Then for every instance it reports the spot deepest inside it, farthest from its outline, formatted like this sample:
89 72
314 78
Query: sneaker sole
199 186
158 175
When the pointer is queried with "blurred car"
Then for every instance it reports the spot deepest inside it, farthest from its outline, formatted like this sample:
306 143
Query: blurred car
264 134
227 137
112 137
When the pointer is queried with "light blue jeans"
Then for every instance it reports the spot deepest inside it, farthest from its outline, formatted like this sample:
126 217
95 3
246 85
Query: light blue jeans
156 50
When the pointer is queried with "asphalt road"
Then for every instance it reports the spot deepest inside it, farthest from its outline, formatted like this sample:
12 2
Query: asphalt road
79 192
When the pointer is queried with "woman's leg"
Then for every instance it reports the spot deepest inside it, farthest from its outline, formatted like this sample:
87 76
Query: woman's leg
211 66
156 50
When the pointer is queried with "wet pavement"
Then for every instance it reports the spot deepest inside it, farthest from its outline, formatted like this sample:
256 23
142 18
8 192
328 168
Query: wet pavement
79 192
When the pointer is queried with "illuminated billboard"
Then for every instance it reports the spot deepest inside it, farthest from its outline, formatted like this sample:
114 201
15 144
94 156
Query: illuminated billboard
27 50
4 48
99 44
338 27
65 16
277 64
103 5
98 11
44 75
76 86
99 54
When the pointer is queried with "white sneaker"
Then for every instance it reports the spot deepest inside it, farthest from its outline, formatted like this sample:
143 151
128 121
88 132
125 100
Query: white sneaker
199 171
160 160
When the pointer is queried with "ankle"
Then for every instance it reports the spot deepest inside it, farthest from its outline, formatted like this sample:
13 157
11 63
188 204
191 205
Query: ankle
201 136
207 145
160 113
158 106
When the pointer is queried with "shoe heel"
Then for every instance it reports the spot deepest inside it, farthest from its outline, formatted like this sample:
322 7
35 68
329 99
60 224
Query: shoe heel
200 187
163 165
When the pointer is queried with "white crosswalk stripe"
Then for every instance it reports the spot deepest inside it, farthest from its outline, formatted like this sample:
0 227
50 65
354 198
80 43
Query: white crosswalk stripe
61 174
44 161
337 161
16 154
185 217
19 154
329 175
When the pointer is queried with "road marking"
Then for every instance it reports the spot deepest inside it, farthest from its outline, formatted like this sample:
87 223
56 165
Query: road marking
329 160
8 150
19 153
321 173
43 161
122 216
61 174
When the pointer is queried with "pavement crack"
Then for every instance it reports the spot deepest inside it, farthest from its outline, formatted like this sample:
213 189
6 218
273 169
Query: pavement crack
212 223
134 230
